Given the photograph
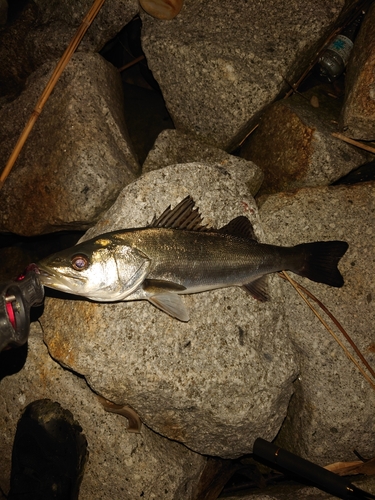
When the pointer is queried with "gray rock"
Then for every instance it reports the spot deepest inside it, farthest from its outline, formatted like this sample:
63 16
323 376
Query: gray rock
214 383
228 60
358 113
121 464
44 29
173 147
60 20
294 146
331 412
76 159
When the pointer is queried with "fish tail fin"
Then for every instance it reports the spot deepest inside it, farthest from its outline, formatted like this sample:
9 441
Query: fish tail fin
318 261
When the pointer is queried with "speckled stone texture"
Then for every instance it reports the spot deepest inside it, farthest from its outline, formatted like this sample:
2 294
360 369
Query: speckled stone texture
358 114
121 465
332 410
215 383
44 28
77 157
229 59
173 147
294 146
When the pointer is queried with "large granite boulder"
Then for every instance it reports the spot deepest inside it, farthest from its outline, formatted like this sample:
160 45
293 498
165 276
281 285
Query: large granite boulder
42 30
228 60
224 378
294 146
332 410
78 156
173 147
214 383
121 464
358 114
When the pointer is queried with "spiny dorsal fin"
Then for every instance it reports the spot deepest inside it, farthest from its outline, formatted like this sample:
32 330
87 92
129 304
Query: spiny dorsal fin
182 216
241 227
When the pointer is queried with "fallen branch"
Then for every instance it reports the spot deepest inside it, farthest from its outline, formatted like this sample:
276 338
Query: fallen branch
76 40
353 142
299 289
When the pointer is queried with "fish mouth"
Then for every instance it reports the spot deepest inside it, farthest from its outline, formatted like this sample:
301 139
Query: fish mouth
60 280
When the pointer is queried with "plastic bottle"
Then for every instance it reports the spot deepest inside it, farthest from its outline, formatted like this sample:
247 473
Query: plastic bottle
335 58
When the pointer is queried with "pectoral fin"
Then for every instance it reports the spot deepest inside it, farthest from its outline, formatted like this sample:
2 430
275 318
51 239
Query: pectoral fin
171 303
161 286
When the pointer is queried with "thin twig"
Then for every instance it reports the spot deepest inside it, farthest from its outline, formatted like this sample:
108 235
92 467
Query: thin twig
340 327
90 16
248 134
135 61
298 289
353 142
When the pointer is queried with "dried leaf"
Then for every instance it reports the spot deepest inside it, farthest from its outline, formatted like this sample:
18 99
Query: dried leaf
352 468
314 101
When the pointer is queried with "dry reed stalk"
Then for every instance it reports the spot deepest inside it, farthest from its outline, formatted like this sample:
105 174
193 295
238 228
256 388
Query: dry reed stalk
354 142
135 61
86 23
298 289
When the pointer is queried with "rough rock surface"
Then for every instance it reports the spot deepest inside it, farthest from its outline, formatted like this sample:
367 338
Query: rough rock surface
44 28
173 147
294 146
76 159
358 114
214 383
229 59
121 464
332 410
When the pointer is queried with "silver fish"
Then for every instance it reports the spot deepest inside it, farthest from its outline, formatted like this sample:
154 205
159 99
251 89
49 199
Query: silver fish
176 254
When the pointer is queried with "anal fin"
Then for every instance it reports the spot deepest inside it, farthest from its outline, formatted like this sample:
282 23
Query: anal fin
258 289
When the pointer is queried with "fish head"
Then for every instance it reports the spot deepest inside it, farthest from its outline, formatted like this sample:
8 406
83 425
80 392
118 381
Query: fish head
99 269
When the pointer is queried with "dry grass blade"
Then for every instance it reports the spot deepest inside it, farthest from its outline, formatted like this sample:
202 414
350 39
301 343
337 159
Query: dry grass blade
354 142
90 16
304 293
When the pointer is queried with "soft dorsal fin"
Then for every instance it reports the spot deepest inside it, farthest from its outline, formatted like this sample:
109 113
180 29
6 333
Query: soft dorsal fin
241 227
182 216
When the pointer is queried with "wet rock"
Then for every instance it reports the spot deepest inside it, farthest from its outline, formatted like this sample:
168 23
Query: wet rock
358 115
215 383
229 60
121 464
76 159
294 147
331 412
43 30
173 147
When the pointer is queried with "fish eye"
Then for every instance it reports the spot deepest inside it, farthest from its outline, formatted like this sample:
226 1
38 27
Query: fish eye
80 262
